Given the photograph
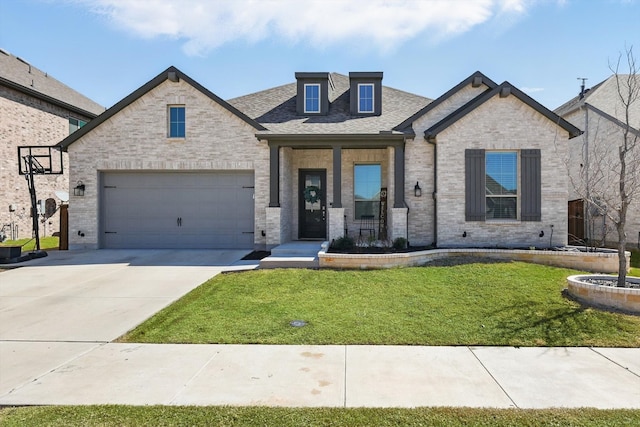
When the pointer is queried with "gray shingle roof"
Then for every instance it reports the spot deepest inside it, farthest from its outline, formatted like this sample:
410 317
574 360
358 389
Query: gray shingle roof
20 75
576 101
275 109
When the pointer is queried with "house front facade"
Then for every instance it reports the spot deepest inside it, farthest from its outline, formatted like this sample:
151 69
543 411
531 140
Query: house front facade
174 166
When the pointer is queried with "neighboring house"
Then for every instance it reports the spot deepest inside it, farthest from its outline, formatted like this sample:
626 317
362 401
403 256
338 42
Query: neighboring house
594 163
174 166
35 110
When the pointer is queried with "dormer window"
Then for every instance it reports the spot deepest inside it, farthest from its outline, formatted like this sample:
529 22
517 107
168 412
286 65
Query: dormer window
312 95
365 98
312 98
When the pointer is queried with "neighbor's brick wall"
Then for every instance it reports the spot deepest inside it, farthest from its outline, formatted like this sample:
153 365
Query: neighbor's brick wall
25 120
601 141
501 124
136 139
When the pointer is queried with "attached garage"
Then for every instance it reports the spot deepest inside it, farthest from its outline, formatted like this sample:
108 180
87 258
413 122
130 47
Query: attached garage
178 210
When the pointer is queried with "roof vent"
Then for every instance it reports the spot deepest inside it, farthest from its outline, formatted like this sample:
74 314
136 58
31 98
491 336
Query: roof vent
582 91
5 52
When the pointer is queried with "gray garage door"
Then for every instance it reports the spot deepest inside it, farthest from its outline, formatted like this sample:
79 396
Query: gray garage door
177 210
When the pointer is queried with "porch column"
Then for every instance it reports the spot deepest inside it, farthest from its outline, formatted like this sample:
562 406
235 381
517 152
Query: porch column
398 176
337 177
274 175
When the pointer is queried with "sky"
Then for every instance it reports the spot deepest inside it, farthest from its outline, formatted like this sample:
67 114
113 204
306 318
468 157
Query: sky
106 49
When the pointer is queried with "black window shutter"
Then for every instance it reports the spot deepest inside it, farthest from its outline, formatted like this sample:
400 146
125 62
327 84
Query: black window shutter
531 185
474 177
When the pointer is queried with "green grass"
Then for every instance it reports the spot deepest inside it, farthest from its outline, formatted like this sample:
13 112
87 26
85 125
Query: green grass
635 263
30 244
70 416
515 304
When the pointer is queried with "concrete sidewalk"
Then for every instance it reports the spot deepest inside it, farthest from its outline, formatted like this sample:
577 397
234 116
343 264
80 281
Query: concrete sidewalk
311 376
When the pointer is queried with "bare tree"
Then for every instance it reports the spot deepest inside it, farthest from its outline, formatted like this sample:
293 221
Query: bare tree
612 174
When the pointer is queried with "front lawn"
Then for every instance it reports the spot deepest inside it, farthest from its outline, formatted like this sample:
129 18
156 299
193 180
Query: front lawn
500 303
29 244
105 416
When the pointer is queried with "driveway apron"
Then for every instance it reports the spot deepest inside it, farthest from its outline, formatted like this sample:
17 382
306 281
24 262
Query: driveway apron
57 308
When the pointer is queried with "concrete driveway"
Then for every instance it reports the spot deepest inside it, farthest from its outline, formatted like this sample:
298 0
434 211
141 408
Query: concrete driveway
59 307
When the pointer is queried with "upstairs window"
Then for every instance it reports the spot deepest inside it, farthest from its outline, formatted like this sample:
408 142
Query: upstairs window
367 182
176 121
365 98
312 98
75 124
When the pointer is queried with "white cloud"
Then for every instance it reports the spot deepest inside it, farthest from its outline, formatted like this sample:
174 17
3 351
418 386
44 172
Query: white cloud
530 90
379 24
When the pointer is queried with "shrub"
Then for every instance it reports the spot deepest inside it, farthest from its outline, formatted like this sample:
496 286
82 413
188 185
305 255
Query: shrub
343 243
399 243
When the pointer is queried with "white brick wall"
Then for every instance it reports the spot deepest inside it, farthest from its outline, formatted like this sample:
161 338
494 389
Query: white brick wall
501 124
136 139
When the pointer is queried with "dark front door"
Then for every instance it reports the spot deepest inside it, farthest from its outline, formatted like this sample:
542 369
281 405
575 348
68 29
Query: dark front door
312 207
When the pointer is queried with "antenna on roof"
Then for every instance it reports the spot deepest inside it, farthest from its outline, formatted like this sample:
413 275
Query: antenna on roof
584 79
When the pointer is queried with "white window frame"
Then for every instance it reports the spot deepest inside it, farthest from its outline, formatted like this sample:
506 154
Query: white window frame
319 97
373 98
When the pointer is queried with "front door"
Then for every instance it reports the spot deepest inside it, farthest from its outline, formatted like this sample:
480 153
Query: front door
312 207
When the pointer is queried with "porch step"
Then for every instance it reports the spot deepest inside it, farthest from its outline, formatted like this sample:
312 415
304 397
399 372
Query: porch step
294 255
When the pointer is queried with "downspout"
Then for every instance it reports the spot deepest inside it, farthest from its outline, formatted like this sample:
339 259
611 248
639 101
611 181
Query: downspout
587 212
432 141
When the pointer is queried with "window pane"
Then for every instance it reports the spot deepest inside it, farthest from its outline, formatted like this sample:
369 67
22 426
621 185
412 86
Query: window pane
312 98
365 98
501 208
367 183
501 174
177 118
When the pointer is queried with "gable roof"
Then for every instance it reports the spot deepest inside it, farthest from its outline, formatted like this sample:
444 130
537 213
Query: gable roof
171 73
275 108
19 75
476 79
605 98
577 100
503 89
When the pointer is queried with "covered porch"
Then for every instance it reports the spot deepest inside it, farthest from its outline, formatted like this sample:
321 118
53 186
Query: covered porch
316 186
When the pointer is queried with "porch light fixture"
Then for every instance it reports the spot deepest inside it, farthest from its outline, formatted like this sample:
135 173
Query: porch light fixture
79 189
417 190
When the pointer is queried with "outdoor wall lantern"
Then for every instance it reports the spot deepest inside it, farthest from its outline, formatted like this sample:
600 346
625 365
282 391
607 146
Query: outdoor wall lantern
417 190
79 189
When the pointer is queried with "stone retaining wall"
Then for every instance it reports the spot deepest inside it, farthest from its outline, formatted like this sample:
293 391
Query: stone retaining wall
601 262
623 299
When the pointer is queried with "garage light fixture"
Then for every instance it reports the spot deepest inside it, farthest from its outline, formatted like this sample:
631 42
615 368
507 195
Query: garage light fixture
79 189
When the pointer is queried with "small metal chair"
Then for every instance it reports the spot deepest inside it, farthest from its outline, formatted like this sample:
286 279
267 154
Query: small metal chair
367 223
